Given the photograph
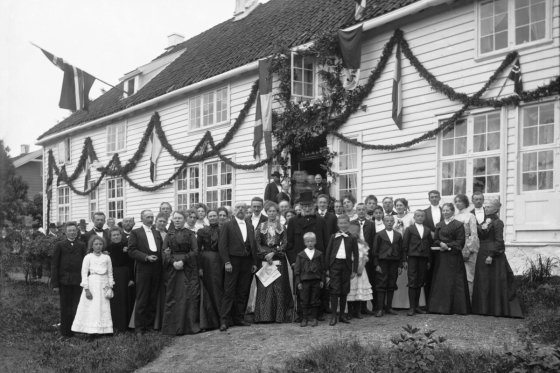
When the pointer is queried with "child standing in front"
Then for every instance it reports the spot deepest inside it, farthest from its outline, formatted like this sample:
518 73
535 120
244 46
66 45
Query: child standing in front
343 246
388 259
360 287
310 278
94 311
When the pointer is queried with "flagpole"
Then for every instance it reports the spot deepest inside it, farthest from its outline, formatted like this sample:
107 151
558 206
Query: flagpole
505 81
102 81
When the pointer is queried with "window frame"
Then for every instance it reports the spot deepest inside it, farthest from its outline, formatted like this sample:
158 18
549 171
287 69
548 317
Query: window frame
64 205
201 94
316 84
205 187
67 142
357 170
548 38
188 191
108 199
109 127
93 200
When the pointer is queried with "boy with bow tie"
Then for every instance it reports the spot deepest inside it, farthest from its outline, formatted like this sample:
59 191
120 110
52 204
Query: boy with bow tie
388 260
417 244
340 266
367 233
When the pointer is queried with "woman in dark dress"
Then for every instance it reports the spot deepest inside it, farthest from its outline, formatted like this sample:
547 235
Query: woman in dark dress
122 275
183 314
211 262
273 303
494 286
449 293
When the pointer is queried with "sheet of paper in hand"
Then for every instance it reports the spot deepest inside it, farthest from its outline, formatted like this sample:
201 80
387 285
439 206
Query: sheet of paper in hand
436 248
268 273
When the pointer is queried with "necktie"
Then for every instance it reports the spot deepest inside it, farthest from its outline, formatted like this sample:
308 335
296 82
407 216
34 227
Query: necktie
98 230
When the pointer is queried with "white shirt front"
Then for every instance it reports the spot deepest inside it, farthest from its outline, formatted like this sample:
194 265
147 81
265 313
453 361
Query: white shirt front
255 220
341 254
279 186
379 225
322 213
242 228
390 234
420 228
309 253
479 213
100 234
361 222
151 239
436 214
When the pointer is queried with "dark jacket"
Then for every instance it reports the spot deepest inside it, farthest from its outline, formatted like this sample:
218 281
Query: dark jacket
307 269
261 220
351 246
86 236
66 266
300 225
271 192
139 248
429 221
414 245
369 233
230 242
383 249
332 222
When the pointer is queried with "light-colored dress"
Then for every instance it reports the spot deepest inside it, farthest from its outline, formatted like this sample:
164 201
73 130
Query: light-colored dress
400 299
360 288
94 315
472 244
379 225
353 216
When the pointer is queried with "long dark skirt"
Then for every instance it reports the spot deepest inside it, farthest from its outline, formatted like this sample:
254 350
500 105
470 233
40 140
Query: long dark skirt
160 309
120 302
213 279
449 293
274 303
494 286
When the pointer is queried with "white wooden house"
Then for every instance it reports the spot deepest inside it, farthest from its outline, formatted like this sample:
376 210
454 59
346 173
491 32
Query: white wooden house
201 84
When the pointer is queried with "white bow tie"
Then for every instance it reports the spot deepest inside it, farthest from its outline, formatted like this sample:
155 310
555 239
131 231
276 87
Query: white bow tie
341 234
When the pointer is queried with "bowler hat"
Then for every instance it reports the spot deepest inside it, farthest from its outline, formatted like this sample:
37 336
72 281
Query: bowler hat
276 173
82 223
52 225
306 198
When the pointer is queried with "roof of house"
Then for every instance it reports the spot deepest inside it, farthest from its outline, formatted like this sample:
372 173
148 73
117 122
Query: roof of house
232 44
22 159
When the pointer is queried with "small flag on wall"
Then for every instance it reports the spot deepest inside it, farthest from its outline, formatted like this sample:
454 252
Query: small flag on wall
75 85
360 8
263 117
89 161
397 89
515 76
155 149
351 46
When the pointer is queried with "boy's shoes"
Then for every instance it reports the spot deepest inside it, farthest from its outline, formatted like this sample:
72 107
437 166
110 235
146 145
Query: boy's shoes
379 313
410 313
333 321
420 311
303 322
391 312
365 311
358 314
344 320
314 322
223 327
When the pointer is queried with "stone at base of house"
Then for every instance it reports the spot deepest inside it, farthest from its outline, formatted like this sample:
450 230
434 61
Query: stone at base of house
519 255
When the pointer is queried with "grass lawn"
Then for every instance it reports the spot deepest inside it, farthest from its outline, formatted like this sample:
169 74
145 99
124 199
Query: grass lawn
29 341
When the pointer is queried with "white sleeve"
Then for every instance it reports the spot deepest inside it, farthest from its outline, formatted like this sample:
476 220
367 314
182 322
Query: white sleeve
110 271
85 270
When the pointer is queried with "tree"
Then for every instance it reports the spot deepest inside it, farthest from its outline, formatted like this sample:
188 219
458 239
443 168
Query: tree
13 189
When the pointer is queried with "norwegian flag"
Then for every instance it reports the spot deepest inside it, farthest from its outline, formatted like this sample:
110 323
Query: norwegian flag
263 116
360 8
515 75
397 89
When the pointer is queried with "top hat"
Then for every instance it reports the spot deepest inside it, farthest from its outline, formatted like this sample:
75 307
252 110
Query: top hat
306 198
82 223
276 173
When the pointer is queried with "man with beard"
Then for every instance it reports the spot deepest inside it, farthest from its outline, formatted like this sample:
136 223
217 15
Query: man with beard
98 223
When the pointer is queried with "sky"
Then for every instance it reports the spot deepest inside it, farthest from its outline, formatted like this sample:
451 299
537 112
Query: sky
106 38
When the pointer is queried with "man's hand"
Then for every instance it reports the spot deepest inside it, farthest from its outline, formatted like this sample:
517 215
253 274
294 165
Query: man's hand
228 267
88 294
378 269
151 258
56 290
300 286
400 271
130 283
489 260
269 257
405 266
125 249
443 246
254 269
353 275
167 251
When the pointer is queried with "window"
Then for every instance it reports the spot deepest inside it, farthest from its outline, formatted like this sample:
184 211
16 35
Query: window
504 25
303 77
130 87
93 202
537 148
64 151
188 188
63 204
348 169
219 182
209 108
470 156
115 198
116 137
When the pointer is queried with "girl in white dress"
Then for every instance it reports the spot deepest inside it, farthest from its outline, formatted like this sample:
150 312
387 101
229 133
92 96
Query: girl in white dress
403 220
94 311
360 288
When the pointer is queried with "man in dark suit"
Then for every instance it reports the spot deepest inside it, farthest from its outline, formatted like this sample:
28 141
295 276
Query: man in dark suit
144 246
322 210
388 206
272 189
66 277
478 211
306 221
433 216
367 233
238 250
98 223
256 217
127 227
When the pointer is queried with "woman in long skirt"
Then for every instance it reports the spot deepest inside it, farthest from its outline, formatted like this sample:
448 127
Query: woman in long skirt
274 302
494 285
449 293
118 252
211 262
94 311
472 242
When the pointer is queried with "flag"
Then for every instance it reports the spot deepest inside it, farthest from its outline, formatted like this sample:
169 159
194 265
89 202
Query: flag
351 46
154 151
263 117
91 158
397 89
75 85
360 8
515 75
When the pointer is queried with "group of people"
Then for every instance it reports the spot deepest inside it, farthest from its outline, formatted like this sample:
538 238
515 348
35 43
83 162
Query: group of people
207 267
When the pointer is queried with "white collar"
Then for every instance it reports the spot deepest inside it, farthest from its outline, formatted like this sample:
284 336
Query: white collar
255 217
434 207
239 221
146 228
479 208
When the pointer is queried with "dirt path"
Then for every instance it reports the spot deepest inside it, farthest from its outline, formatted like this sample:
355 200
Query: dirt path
242 348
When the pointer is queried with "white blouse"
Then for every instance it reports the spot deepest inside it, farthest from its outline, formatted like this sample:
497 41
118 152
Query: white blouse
97 265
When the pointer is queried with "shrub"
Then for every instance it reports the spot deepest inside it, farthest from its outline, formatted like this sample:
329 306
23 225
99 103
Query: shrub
539 270
414 352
